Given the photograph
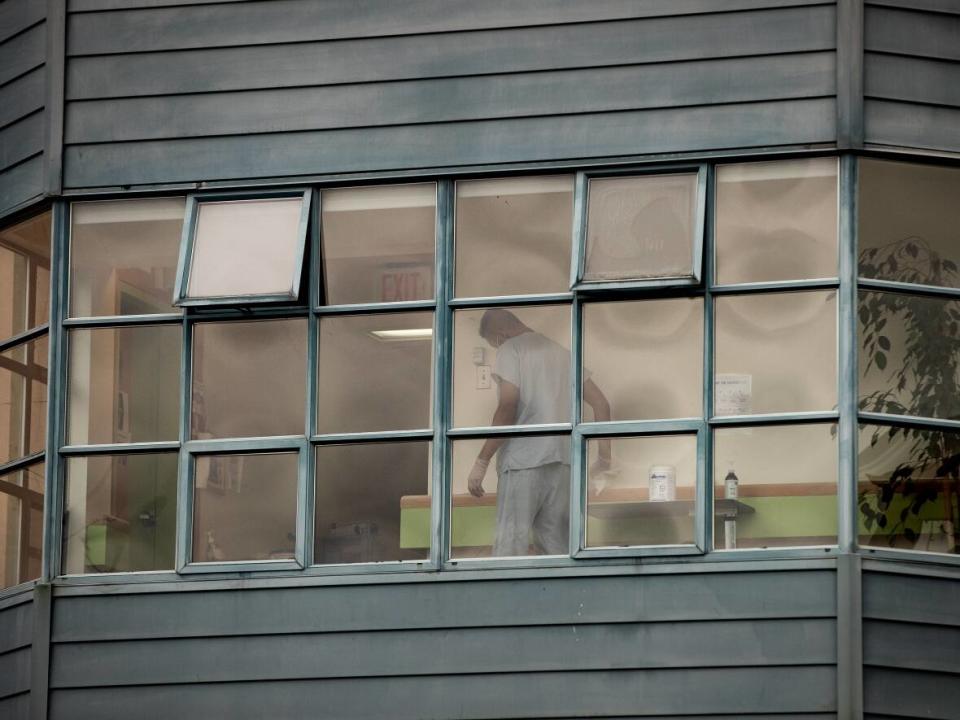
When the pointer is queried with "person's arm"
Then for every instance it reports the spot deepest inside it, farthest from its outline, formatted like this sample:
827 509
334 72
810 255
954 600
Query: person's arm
594 397
505 414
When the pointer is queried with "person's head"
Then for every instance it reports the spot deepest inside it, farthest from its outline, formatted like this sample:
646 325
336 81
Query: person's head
498 325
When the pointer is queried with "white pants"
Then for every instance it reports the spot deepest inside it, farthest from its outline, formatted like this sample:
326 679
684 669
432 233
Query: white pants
533 501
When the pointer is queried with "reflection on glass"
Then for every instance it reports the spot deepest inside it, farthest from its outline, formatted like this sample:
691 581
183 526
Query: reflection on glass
23 399
21 525
378 243
123 256
909 489
124 384
372 502
641 490
641 227
775 486
249 379
777 221
375 372
908 220
513 236
246 247
909 349
120 513
503 507
511 366
24 275
647 357
245 507
776 353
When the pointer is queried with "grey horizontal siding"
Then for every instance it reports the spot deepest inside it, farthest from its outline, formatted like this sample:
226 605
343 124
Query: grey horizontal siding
592 694
911 646
93 5
289 21
16 707
16 627
21 140
944 6
15 672
912 75
18 15
617 646
912 694
438 145
455 54
21 183
16 637
23 96
22 53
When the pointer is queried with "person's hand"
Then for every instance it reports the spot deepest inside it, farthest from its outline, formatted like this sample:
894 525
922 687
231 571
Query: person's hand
600 465
475 478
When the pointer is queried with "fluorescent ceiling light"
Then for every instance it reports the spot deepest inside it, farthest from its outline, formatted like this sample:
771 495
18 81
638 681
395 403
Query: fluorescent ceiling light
404 334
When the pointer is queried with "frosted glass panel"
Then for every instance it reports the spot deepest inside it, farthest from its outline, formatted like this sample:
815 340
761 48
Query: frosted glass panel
373 502
24 275
645 358
246 247
123 256
505 510
644 494
513 236
777 221
518 352
641 227
245 507
124 385
909 215
375 372
775 353
120 513
378 244
775 486
249 379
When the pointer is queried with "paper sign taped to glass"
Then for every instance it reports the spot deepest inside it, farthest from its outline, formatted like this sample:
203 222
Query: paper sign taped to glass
734 394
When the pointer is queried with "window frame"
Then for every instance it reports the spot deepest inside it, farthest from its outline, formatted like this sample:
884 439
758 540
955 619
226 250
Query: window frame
181 297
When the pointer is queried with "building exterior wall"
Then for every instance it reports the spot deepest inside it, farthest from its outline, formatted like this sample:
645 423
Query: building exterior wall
16 639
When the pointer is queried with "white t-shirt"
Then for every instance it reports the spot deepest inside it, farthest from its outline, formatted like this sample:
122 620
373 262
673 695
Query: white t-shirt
540 368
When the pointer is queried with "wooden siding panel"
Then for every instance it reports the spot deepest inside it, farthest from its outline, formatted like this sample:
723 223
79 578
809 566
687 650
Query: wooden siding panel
563 694
454 54
943 6
893 77
920 126
21 183
441 100
425 146
556 601
448 651
16 707
911 694
16 627
22 96
17 15
912 646
904 32
22 53
911 598
15 672
290 21
21 140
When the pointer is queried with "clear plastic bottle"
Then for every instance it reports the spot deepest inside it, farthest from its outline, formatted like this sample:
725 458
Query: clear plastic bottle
731 484
731 489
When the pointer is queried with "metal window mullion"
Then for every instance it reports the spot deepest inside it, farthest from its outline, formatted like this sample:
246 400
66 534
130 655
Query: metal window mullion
368 437
776 286
110 321
511 300
910 421
847 348
441 509
579 458
119 448
915 289
24 337
184 514
705 447
376 308
306 495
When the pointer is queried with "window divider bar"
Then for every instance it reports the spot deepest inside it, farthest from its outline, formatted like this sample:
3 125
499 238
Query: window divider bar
380 436
639 427
847 346
375 308
908 421
21 463
114 320
783 286
501 301
580 193
705 444
579 459
306 488
24 337
120 448
184 513
509 430
280 443
896 286
792 418
221 314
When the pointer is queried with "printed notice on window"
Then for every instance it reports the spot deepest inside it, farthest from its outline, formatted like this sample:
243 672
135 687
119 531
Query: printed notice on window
734 394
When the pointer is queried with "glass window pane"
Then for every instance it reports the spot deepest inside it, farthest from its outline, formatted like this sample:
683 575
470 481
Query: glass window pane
514 236
641 227
124 385
245 507
502 509
373 502
120 513
375 372
908 357
641 490
23 399
777 221
246 247
378 243
644 358
123 256
21 525
24 275
909 215
249 379
775 486
511 366
908 489
776 353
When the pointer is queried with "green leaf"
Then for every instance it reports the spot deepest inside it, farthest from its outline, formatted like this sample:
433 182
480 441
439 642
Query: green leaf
884 342
881 360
